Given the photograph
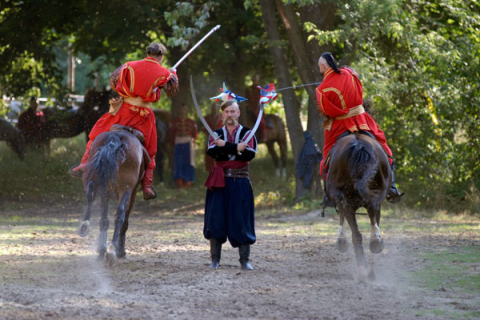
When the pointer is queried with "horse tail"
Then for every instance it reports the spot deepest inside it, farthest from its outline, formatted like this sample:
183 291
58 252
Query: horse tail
104 163
363 166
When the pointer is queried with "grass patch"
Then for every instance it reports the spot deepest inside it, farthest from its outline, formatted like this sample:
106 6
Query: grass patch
453 269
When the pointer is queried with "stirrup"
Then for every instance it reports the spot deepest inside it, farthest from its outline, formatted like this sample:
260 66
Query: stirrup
394 196
149 196
327 202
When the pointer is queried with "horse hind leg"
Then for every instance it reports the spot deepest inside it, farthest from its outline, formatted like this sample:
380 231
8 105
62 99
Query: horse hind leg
84 227
273 154
342 243
356 235
376 242
123 230
283 154
104 224
113 247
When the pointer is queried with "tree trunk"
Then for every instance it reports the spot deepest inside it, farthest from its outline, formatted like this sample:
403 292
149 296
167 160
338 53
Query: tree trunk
323 15
307 70
289 98
71 71
176 54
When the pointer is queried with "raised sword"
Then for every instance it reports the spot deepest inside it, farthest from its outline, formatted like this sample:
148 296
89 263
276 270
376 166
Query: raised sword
199 112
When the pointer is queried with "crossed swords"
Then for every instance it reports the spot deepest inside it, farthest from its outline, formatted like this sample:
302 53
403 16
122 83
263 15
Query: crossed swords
213 133
202 119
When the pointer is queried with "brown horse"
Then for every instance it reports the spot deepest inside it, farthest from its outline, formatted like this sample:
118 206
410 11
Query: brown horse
359 176
275 134
115 169
13 137
96 105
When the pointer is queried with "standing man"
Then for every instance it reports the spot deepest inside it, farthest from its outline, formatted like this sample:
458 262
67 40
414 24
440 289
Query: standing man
32 124
340 99
182 133
229 205
138 83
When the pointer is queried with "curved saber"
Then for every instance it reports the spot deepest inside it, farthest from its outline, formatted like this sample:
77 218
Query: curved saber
255 127
257 124
202 119
195 46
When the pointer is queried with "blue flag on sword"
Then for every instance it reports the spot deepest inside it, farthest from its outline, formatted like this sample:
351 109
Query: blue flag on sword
268 93
227 95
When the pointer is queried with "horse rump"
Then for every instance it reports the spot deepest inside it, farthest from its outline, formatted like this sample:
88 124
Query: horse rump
103 164
363 166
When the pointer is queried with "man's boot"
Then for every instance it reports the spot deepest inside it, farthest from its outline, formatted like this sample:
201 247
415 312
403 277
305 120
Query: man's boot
244 251
149 192
393 194
77 170
327 202
215 252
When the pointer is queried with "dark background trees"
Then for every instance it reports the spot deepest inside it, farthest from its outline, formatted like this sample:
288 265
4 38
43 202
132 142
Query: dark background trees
418 61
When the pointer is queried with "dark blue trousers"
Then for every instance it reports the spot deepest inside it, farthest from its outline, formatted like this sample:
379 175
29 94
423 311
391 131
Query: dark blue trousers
229 213
182 169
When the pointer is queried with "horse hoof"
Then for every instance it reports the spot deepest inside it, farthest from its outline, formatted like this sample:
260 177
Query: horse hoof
121 254
342 244
84 228
111 259
376 245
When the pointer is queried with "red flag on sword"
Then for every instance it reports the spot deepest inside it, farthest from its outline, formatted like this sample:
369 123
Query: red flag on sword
268 93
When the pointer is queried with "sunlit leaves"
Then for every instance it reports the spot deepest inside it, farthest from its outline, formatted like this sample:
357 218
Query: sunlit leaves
403 50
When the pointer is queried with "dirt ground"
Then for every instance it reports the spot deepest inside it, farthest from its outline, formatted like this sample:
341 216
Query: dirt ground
48 272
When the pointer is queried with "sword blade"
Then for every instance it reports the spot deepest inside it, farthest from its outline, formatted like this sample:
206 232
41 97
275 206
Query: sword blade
196 46
300 86
199 112
257 124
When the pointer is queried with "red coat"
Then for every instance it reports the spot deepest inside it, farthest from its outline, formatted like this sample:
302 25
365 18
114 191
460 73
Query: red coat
144 79
336 95
185 127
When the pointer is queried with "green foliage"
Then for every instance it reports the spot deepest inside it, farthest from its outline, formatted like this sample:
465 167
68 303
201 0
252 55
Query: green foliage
417 64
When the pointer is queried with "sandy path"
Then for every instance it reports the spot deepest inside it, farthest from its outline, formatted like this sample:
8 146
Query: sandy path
51 273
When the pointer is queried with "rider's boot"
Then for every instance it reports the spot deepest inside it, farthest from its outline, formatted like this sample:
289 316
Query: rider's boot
244 251
77 170
215 252
149 192
393 194
327 202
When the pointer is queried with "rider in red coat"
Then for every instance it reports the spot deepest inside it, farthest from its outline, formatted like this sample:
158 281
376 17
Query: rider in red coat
138 83
340 99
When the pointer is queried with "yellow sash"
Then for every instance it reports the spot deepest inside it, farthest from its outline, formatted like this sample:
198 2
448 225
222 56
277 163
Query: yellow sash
355 111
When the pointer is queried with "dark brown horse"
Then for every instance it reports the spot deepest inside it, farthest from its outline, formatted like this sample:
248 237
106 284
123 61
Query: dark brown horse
115 169
275 134
13 137
359 176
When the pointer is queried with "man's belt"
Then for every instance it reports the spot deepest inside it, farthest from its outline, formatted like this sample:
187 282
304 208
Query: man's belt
137 101
116 103
355 111
236 173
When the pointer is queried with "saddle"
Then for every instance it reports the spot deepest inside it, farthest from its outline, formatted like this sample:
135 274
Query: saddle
136 133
